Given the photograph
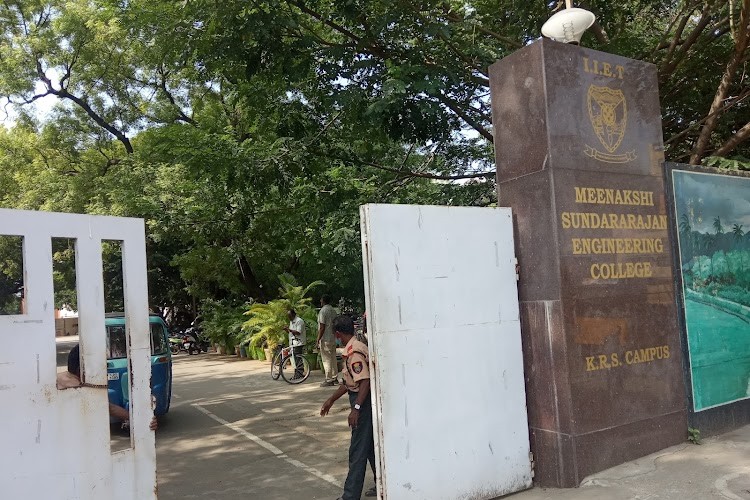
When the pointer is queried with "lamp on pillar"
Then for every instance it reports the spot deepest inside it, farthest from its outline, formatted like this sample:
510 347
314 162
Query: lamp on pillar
568 25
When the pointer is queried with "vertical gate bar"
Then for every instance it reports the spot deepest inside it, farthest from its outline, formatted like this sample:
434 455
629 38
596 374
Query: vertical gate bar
135 287
90 289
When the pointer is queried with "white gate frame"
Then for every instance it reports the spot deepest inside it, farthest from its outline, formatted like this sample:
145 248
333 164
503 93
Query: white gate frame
56 443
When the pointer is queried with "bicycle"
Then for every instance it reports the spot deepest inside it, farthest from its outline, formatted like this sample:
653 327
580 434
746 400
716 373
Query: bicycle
293 368
276 363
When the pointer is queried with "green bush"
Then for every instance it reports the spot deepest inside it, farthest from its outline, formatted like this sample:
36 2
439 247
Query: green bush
733 293
222 322
724 275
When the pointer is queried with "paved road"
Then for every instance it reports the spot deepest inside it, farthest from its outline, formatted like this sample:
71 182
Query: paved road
233 432
64 345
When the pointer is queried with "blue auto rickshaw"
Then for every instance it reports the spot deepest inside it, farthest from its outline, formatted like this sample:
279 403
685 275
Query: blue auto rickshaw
117 363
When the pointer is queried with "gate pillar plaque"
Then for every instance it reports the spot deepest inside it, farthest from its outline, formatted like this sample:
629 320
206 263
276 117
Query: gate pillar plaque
579 150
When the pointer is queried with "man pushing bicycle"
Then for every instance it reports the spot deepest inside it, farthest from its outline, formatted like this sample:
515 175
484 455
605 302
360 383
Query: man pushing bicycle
297 338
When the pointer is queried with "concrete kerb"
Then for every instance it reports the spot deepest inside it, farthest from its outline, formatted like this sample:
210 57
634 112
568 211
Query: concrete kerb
718 468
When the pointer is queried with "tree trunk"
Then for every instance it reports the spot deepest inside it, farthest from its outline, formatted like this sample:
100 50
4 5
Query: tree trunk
253 287
742 135
741 42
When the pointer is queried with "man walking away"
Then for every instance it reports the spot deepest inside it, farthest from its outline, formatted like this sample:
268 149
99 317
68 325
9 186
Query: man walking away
356 375
327 341
297 338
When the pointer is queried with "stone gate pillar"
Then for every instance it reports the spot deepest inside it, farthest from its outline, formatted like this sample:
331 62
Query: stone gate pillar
578 145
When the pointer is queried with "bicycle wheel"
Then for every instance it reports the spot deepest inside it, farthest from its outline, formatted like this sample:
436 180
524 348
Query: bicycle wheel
292 373
276 366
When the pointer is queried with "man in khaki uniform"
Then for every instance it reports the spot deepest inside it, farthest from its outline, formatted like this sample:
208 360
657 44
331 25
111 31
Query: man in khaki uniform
327 341
356 377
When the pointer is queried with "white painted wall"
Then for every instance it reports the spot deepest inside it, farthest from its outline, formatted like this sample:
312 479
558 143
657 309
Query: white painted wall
55 443
445 345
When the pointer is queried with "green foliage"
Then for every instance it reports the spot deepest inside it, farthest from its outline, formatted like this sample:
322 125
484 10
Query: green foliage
265 326
63 274
11 274
735 163
723 275
694 435
222 322
248 135
733 293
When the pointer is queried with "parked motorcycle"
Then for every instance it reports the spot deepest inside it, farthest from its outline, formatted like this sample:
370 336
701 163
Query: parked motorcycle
203 344
190 344
197 332
175 343
185 342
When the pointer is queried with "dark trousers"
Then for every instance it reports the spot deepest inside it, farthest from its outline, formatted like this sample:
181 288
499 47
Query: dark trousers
361 451
299 370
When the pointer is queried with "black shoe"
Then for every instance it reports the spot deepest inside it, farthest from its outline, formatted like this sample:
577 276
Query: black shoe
372 492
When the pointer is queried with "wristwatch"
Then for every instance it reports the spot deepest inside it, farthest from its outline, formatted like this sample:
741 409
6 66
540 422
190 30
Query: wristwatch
357 407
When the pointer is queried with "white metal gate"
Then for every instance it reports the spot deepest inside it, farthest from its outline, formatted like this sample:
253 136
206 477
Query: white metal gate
445 345
56 443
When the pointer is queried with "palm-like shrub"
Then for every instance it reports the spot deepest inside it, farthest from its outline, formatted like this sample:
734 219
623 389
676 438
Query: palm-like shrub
265 326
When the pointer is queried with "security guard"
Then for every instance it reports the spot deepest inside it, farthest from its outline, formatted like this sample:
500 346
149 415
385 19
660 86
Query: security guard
356 376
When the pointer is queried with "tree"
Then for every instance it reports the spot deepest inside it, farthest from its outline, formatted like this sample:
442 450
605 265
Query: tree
11 275
417 72
731 77
686 234
738 234
717 226
737 231
106 61
417 65
248 134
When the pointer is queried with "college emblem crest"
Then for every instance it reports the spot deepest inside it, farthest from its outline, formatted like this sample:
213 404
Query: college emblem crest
608 113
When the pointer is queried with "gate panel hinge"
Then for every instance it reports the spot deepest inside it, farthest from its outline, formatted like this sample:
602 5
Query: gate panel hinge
531 460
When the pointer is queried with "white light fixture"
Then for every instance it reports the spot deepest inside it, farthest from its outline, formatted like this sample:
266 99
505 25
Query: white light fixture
568 25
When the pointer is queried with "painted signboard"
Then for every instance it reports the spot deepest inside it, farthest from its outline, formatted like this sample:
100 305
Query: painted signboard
713 217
